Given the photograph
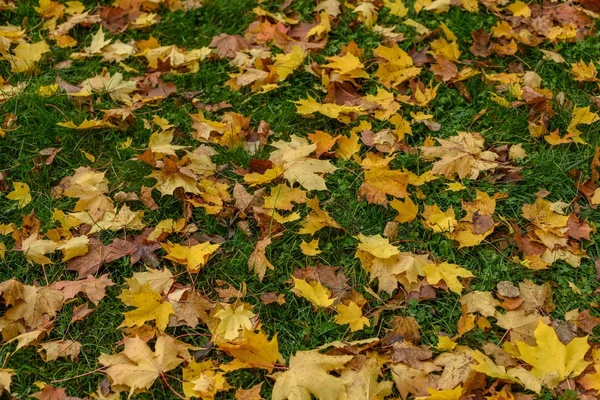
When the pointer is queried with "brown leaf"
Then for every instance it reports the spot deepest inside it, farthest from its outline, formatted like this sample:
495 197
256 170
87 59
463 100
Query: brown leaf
592 5
227 45
403 329
410 355
501 356
80 312
421 57
243 199
51 351
444 69
142 249
190 309
536 297
146 198
482 223
587 322
258 261
226 292
259 165
343 93
457 368
510 303
116 19
49 392
391 230
249 394
94 288
330 276
565 331
66 86
50 154
578 229
481 43
152 86
270 297
210 107
98 254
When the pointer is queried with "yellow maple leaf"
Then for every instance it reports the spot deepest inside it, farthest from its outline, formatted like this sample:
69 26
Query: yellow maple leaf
308 374
89 187
282 197
461 155
159 280
314 292
149 303
323 28
377 246
397 65
86 124
113 220
363 382
581 116
26 56
21 193
512 374
407 210
231 322
351 314
201 380
591 381
310 106
258 261
437 220
47 90
446 49
270 174
160 143
311 248
253 350
74 247
445 343
285 64
470 5
519 9
380 182
421 96
343 64
348 146
193 257
583 72
293 156
137 366
446 394
367 13
396 7
317 219
31 305
35 249
551 360
449 273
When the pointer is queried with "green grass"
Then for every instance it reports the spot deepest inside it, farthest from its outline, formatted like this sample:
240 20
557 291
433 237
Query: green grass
297 324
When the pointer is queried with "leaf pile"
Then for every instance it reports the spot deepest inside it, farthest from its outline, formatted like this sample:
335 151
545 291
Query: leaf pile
403 316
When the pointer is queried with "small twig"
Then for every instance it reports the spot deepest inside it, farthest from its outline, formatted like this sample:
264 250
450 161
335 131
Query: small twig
170 387
81 375
59 110
191 334
500 252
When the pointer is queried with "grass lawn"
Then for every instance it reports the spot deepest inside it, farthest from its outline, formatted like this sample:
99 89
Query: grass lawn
503 97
